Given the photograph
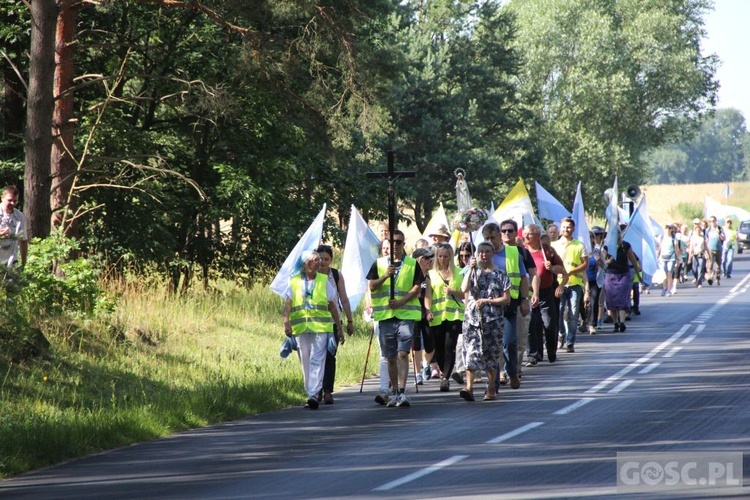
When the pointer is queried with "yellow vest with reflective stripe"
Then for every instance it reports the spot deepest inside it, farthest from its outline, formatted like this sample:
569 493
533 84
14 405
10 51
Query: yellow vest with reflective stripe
445 307
412 310
310 314
513 270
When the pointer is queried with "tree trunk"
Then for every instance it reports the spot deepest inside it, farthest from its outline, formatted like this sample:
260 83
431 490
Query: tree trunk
63 164
13 104
39 117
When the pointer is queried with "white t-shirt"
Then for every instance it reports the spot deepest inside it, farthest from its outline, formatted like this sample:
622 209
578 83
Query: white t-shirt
9 245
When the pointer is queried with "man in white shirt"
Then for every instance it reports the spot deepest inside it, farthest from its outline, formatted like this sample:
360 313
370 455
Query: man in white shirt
13 238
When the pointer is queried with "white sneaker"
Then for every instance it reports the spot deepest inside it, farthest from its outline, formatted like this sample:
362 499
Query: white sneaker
393 400
403 401
592 330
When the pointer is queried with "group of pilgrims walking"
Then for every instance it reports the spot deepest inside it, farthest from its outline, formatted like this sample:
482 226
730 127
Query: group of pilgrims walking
480 314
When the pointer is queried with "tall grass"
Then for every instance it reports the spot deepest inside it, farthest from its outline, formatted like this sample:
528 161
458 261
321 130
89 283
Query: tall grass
160 364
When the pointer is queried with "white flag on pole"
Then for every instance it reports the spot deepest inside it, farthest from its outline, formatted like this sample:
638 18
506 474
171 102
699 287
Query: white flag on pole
309 241
360 251
581 232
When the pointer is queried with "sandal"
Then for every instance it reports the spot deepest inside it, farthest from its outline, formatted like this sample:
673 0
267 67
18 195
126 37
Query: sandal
466 395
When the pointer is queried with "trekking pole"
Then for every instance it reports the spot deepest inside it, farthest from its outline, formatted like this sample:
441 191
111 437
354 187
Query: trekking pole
367 358
414 360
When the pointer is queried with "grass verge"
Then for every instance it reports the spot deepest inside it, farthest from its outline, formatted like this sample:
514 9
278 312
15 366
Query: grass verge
161 364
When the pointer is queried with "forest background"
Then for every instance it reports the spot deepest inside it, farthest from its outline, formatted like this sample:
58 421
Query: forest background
175 151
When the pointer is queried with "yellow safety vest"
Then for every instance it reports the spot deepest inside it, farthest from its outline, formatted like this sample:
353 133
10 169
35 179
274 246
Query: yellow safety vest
310 314
513 270
570 252
731 238
445 307
412 310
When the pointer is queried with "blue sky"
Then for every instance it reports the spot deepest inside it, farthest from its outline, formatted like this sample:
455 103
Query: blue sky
728 36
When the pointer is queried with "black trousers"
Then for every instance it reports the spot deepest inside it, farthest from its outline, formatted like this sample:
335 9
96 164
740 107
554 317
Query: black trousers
543 326
446 338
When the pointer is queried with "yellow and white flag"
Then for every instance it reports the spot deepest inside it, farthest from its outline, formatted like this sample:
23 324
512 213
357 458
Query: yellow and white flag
517 206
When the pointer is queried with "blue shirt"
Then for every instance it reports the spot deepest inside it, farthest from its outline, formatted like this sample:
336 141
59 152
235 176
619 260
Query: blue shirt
714 241
499 260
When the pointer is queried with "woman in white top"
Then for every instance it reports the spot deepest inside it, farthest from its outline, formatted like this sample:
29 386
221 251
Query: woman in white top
669 255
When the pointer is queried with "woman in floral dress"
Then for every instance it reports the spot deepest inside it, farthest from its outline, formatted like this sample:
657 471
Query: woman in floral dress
487 291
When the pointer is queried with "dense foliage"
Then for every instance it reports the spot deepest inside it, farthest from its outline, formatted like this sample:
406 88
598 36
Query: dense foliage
208 134
610 80
718 151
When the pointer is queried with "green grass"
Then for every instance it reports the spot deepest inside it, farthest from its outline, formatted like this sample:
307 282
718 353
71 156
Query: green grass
159 365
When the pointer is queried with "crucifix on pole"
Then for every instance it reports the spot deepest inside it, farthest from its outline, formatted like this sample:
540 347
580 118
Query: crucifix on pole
391 175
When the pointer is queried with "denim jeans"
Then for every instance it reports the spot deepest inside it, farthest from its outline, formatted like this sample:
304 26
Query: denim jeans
571 298
510 345
699 268
727 260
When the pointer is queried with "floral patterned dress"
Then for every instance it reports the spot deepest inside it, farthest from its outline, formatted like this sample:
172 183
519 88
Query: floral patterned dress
483 326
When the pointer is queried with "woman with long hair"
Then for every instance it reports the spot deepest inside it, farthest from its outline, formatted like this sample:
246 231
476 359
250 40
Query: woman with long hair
447 310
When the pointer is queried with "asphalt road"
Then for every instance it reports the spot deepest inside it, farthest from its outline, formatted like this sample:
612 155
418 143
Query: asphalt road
677 382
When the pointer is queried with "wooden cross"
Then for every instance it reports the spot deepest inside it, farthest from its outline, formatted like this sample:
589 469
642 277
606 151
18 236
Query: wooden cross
391 175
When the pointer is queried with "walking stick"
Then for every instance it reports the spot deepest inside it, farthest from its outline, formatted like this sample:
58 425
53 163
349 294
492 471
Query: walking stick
413 359
367 358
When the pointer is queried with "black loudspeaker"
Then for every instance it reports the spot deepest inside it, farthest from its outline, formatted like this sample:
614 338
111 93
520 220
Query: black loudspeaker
633 191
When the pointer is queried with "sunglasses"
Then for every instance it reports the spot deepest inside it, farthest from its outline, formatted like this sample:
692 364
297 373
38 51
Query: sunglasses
398 242
507 231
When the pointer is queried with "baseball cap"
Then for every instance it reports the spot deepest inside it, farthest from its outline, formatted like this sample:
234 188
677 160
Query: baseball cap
428 252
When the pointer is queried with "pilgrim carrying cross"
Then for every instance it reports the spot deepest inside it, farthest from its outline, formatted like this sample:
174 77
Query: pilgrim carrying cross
391 175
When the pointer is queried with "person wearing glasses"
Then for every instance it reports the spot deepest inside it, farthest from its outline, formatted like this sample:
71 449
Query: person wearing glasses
465 252
509 233
508 259
396 316
543 325
310 313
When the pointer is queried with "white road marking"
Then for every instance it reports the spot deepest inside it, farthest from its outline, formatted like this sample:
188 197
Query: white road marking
515 433
649 368
421 473
621 386
574 406
674 351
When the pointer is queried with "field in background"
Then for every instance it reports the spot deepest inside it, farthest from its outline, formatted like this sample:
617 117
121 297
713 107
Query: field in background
662 202
663 198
